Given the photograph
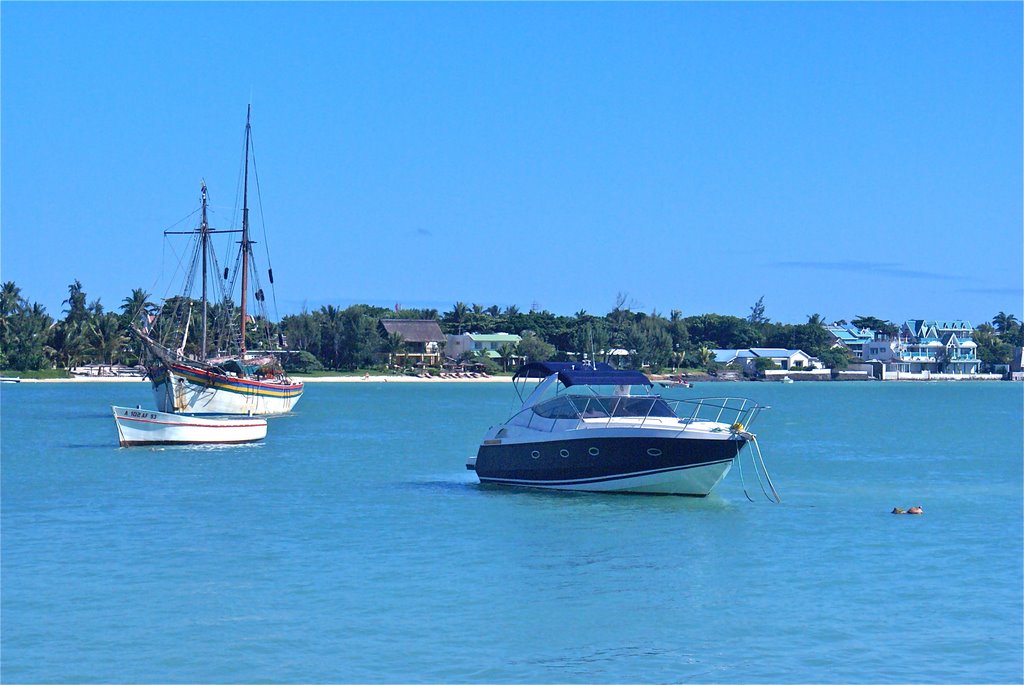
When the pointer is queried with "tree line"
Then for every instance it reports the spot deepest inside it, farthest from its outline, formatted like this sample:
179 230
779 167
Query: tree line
351 338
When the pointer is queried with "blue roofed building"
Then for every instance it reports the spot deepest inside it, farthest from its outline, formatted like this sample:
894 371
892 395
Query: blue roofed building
851 337
928 347
787 360
727 357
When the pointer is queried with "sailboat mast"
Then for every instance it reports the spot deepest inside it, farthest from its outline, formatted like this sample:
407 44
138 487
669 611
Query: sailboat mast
204 230
245 228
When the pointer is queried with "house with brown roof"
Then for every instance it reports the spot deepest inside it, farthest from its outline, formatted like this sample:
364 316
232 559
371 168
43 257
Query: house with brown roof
421 341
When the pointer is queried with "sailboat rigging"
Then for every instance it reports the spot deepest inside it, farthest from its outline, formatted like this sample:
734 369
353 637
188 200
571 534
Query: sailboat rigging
232 381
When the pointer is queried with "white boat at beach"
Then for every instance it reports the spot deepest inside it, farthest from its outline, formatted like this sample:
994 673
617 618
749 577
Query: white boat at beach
190 377
584 428
148 427
9 379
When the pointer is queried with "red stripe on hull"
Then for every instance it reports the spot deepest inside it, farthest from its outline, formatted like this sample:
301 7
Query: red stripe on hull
192 425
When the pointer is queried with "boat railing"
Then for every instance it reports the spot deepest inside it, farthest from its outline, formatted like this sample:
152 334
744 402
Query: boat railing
604 410
734 411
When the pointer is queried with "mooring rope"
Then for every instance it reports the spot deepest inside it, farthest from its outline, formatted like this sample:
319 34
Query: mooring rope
739 467
774 497
760 458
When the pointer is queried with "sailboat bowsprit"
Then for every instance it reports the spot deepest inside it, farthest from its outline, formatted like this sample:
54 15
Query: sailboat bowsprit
186 378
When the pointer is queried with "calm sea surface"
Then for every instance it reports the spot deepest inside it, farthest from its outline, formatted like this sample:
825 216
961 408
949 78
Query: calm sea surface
352 545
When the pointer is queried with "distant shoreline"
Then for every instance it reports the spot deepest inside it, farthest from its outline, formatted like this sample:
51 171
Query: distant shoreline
311 379
489 379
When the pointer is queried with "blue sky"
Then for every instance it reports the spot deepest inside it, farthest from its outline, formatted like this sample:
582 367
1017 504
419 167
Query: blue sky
838 158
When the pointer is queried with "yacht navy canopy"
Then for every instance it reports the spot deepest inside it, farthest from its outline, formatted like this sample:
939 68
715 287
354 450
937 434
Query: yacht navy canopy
570 373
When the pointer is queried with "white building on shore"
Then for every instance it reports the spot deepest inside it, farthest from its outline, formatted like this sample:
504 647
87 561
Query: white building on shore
925 349
785 360
487 344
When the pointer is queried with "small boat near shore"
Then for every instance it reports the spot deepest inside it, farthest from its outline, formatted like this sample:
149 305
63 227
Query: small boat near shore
675 382
583 428
10 379
147 427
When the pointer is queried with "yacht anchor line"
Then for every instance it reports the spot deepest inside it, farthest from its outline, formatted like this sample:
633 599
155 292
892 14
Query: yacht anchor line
582 428
187 376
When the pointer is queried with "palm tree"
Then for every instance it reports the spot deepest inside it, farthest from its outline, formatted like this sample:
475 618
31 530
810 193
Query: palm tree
1003 321
106 338
133 306
24 344
10 296
705 356
10 302
393 345
459 313
69 343
506 351
76 312
136 309
331 335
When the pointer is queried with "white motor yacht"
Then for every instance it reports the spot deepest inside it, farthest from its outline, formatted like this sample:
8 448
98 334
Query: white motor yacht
584 428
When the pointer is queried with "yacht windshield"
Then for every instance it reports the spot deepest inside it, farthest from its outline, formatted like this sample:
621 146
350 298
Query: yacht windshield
579 406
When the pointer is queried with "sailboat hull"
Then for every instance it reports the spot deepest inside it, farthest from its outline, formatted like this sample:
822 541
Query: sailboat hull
180 388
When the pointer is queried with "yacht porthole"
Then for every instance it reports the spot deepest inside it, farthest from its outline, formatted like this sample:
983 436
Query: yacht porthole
654 451
535 454
594 451
564 453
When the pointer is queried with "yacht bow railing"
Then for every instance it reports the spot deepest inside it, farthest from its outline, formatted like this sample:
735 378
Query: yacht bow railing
738 412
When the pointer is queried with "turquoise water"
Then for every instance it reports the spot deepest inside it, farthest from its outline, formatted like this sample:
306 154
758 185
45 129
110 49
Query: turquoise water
352 545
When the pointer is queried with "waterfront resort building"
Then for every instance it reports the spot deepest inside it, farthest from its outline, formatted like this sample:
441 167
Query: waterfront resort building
487 344
851 337
924 347
421 341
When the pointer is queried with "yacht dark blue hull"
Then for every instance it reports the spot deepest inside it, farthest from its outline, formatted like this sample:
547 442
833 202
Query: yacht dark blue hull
660 465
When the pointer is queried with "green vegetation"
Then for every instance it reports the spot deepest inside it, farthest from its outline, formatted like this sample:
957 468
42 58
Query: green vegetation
37 374
996 340
332 340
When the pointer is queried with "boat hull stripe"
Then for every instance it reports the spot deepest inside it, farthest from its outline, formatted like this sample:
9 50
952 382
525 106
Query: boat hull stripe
234 385
593 481
146 443
193 425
